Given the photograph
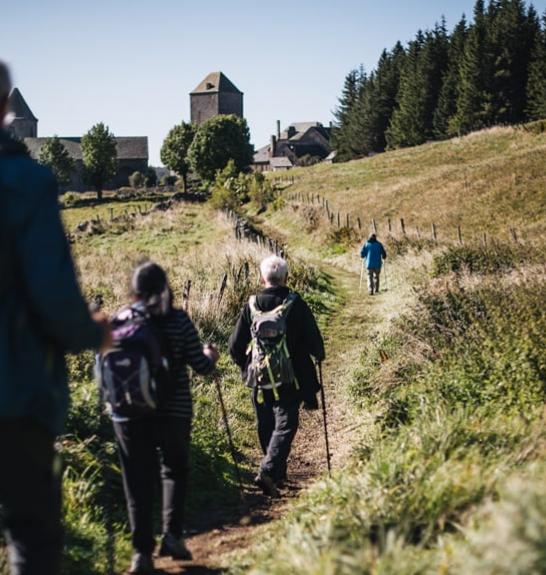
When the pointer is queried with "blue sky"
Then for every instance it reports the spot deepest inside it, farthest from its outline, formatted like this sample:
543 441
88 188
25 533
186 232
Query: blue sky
132 63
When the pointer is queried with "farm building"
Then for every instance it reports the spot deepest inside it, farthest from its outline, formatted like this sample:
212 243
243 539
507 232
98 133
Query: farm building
132 152
299 144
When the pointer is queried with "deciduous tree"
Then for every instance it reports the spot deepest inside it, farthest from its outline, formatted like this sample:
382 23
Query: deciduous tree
99 154
217 141
55 155
175 148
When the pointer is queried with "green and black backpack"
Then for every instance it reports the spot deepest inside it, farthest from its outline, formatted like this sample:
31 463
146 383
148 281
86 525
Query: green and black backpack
270 364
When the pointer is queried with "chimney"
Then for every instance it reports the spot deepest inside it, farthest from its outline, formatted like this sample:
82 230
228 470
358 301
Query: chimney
273 147
278 129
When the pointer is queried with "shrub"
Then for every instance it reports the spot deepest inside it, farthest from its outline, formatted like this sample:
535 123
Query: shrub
261 191
168 180
136 180
69 200
480 259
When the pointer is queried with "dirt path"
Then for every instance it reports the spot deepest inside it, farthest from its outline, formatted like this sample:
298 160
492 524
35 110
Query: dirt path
356 318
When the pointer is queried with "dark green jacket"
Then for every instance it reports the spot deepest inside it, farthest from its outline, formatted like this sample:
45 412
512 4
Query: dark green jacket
42 312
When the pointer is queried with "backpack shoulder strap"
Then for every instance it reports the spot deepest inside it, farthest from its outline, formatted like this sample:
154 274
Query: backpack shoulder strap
253 307
289 302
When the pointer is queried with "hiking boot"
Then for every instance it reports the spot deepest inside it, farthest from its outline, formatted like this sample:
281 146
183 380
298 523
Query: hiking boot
174 547
142 564
266 484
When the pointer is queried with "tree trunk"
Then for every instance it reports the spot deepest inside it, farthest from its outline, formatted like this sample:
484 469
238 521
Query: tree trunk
99 194
185 180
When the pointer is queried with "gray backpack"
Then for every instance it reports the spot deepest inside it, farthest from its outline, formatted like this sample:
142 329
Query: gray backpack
270 363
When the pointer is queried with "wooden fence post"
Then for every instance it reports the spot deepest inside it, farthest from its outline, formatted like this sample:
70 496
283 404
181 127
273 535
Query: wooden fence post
348 220
514 234
433 229
374 226
338 221
389 224
403 226
459 235
359 223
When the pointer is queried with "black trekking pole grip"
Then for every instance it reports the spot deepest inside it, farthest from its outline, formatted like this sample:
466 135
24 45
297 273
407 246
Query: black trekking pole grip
325 419
230 437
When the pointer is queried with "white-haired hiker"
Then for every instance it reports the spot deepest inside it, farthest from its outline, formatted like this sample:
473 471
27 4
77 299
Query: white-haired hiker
273 343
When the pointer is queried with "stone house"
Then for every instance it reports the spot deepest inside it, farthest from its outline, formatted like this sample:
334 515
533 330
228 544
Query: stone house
132 156
215 95
132 152
287 148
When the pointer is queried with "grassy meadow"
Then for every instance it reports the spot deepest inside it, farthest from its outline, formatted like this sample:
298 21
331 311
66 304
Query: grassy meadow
494 178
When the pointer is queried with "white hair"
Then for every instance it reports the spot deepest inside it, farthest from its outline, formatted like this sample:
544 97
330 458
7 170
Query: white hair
5 81
274 270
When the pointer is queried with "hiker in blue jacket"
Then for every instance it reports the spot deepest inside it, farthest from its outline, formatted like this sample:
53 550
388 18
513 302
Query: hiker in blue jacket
374 253
42 315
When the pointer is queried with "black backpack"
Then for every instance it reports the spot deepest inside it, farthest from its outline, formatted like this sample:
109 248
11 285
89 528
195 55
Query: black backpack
134 373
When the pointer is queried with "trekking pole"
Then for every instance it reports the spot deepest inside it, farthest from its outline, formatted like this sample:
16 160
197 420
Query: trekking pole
385 268
323 401
230 438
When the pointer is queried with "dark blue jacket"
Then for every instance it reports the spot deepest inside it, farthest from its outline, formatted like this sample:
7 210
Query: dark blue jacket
374 252
42 312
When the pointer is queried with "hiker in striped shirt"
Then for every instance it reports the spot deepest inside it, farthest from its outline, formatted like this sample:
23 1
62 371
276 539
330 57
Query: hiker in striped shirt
166 431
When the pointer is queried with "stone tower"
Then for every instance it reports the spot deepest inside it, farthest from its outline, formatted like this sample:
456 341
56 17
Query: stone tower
215 95
25 124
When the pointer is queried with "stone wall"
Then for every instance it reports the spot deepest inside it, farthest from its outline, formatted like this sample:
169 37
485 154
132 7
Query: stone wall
22 128
231 103
203 107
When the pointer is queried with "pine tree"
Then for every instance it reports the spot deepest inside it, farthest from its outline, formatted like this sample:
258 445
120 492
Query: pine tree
341 136
449 92
408 125
510 40
473 97
536 85
433 62
381 100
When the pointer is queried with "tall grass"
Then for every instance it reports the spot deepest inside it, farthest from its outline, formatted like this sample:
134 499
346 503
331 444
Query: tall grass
456 390
193 244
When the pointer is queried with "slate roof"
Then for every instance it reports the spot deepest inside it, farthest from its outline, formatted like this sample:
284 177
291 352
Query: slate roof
301 128
19 107
216 82
128 148
281 162
262 155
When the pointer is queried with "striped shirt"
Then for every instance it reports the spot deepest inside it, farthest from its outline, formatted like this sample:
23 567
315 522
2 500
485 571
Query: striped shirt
183 348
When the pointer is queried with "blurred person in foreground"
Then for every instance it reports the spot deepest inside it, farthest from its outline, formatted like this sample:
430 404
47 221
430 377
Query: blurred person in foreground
42 316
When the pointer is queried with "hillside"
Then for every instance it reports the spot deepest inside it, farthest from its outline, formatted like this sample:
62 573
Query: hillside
447 391
486 181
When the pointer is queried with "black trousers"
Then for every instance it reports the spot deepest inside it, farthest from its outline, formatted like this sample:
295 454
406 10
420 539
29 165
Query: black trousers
277 426
146 446
30 498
